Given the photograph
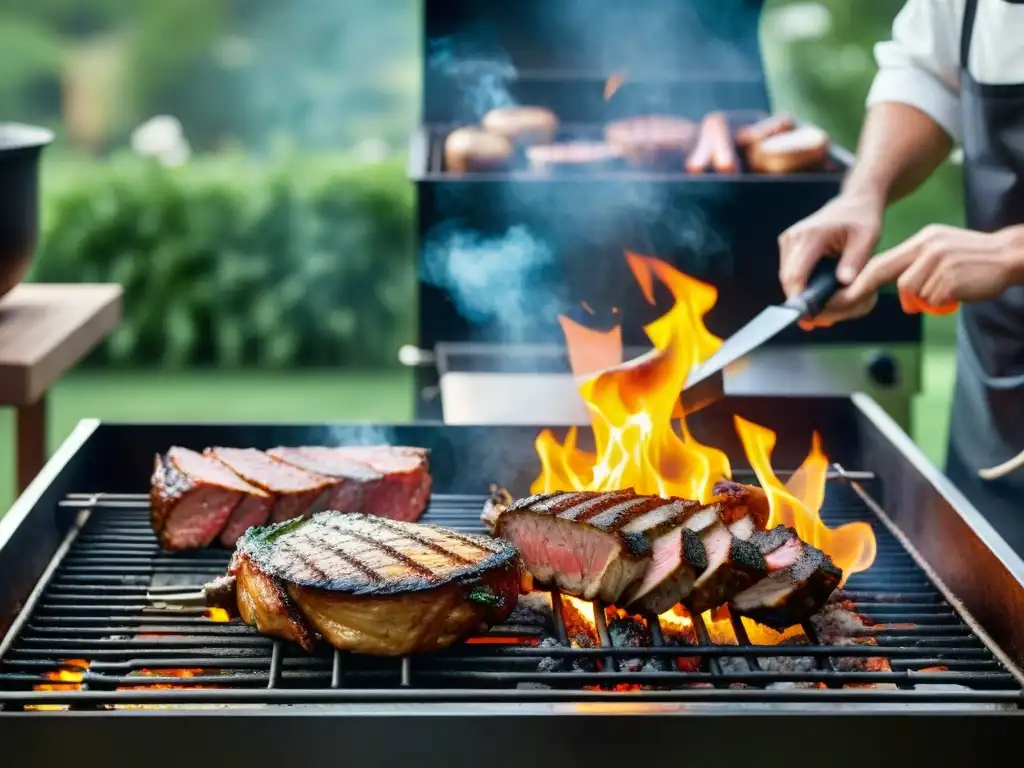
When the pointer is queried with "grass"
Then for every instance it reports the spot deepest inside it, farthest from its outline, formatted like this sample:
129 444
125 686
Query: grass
321 396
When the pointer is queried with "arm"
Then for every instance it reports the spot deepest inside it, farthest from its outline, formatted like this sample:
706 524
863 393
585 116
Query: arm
900 146
912 120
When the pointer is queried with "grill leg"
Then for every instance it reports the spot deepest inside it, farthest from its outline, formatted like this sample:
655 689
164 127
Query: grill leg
31 436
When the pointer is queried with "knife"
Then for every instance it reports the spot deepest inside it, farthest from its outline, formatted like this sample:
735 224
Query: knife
707 378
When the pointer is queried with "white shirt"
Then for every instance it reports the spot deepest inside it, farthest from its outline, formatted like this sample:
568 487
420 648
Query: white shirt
920 66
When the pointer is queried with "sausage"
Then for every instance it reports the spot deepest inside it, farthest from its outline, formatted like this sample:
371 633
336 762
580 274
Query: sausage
714 147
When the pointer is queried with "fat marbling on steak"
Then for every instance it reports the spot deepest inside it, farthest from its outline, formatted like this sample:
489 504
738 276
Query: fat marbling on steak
193 496
371 585
390 481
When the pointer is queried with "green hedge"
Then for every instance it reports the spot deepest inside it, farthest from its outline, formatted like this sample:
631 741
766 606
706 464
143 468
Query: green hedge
304 261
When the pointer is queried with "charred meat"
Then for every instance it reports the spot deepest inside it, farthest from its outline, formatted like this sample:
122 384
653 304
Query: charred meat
193 496
620 546
371 585
800 580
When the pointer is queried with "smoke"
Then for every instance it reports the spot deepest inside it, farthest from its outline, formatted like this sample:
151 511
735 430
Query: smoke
360 435
502 282
482 79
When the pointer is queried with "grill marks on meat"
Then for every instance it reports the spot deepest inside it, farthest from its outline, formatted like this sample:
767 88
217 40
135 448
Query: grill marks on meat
192 497
801 578
576 542
619 546
196 498
392 482
649 553
295 491
372 585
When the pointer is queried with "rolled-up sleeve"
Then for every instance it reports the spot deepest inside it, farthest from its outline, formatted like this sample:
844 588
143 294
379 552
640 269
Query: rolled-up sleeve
920 65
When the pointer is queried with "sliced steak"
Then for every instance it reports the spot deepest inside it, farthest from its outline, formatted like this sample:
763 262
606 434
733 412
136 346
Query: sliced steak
733 564
800 581
192 497
677 559
254 510
577 541
389 481
679 554
371 585
296 492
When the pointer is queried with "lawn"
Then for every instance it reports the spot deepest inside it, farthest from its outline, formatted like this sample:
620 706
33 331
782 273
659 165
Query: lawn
320 396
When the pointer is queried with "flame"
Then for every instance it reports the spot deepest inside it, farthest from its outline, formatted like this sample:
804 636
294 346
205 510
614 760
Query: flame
852 546
641 440
217 614
68 677
612 84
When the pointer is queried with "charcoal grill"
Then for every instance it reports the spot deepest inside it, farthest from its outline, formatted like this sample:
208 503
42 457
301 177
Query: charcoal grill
84 580
681 58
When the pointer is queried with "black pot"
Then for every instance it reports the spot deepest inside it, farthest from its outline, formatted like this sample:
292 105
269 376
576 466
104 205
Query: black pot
20 149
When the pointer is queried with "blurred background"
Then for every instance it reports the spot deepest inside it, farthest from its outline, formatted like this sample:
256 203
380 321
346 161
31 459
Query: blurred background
209 150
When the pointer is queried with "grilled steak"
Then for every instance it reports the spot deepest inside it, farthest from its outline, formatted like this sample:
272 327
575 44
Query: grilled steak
389 481
295 491
800 581
600 544
733 564
677 559
371 585
192 496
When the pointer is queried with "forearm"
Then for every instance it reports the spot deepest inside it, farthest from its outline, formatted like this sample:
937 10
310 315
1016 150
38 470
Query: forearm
899 148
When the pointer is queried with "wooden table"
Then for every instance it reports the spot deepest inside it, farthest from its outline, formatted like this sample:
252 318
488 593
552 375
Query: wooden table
44 331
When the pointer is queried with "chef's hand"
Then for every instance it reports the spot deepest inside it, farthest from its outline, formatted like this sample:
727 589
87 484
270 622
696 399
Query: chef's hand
940 266
849 225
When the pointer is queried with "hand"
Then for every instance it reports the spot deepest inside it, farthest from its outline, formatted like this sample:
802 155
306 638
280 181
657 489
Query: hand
940 266
849 225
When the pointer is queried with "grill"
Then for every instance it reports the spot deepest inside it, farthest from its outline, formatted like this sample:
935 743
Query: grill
679 58
103 603
90 593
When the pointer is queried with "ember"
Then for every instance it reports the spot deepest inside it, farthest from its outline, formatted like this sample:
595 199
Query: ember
634 407
68 677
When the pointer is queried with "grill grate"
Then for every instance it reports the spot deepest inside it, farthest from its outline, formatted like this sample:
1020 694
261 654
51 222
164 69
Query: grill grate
94 617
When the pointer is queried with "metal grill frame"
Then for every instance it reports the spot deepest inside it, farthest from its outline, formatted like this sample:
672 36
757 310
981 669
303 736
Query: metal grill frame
88 451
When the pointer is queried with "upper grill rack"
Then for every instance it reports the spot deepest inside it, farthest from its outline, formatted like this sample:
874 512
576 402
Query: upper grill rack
95 609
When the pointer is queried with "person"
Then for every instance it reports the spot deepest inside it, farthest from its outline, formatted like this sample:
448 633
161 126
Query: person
953 71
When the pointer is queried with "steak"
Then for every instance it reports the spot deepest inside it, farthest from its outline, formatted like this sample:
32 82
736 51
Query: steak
644 550
389 481
574 540
800 580
192 497
295 491
371 585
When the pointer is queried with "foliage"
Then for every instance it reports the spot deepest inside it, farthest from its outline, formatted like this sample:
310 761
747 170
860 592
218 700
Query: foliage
300 262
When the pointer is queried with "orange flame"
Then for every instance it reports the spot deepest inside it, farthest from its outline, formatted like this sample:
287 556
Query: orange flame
796 504
217 614
634 408
612 84
67 678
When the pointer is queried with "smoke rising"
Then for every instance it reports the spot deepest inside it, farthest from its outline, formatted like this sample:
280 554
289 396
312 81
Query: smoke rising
483 80
499 281
361 435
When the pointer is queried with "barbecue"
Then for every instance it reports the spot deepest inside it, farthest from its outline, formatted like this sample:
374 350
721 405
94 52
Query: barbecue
932 626
370 585
224 491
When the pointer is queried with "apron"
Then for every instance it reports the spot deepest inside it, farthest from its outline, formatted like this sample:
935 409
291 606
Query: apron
987 424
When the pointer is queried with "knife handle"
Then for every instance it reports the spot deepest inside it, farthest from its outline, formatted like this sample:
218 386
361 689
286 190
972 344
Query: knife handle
822 286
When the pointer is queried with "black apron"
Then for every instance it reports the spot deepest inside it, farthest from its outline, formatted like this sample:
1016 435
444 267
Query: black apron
987 424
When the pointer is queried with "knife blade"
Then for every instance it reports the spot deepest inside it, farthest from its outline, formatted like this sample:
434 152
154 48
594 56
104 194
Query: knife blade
822 286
